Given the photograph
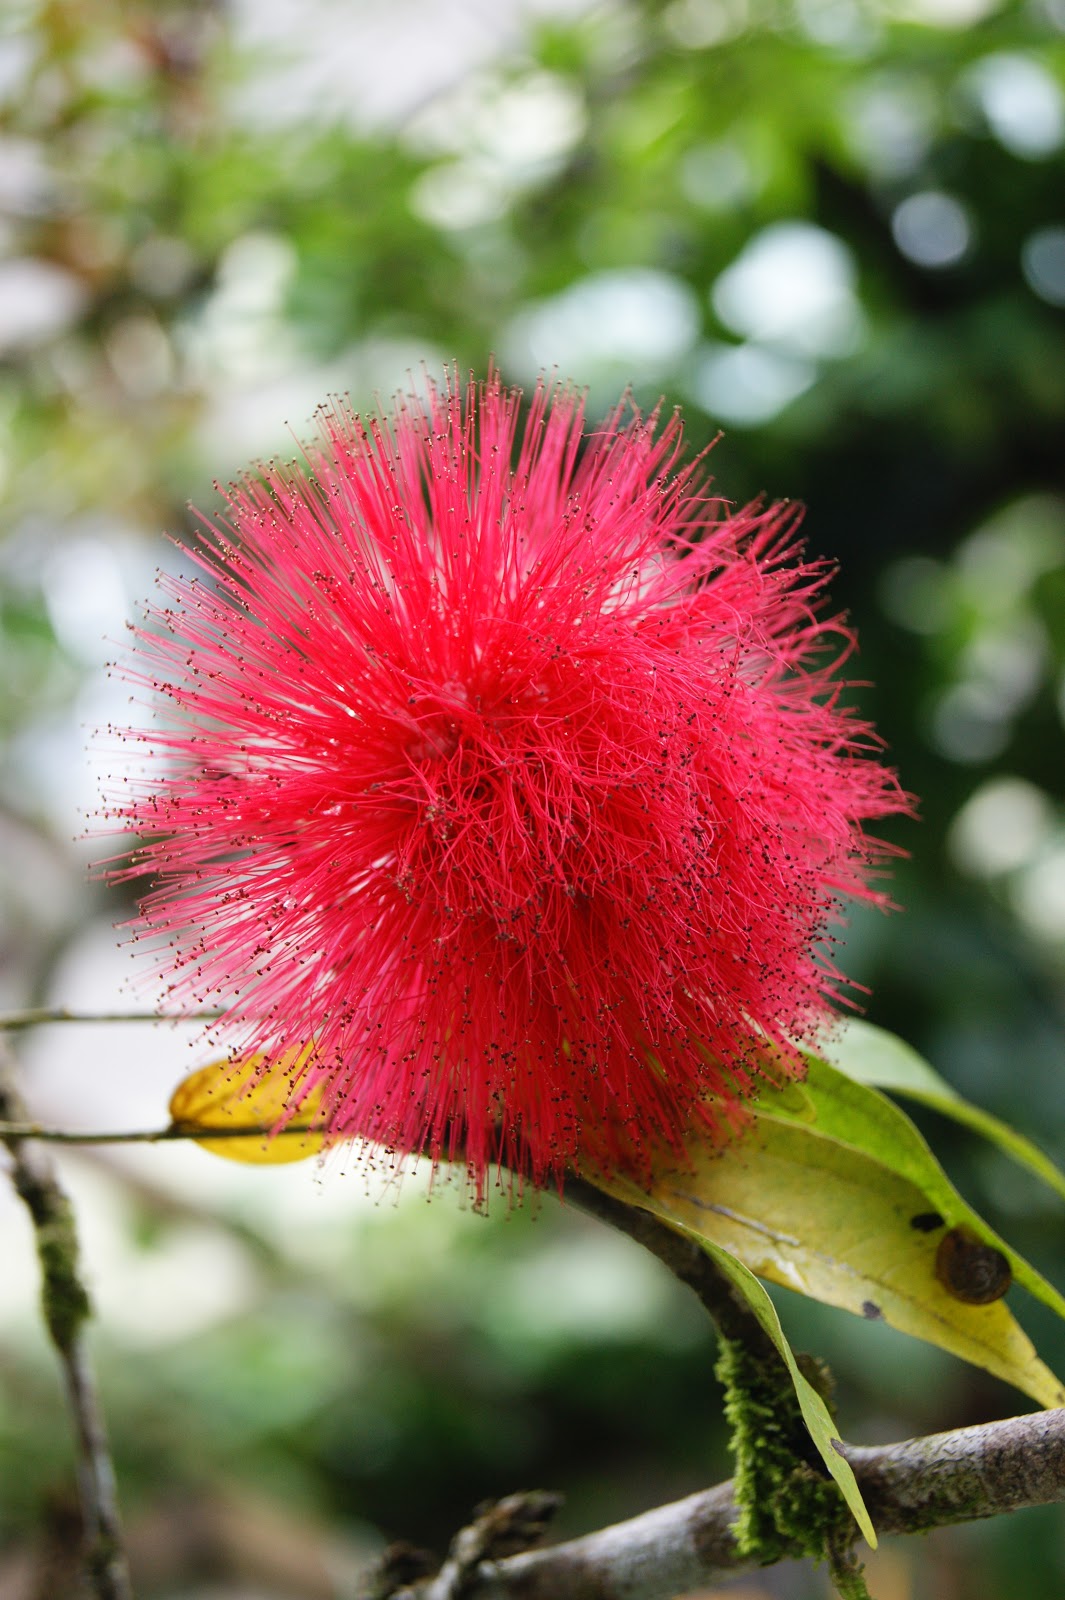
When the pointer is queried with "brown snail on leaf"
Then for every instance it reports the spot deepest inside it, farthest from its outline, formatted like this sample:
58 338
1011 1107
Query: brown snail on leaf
971 1270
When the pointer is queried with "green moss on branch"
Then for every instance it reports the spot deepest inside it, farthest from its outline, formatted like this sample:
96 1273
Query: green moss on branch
63 1296
788 1505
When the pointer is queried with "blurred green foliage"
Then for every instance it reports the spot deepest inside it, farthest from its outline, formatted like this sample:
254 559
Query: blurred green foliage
833 227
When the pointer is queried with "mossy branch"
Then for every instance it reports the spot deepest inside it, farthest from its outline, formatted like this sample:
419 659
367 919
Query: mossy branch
66 1307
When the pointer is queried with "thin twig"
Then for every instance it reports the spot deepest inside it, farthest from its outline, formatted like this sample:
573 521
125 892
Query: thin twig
18 1132
913 1486
41 1016
66 1307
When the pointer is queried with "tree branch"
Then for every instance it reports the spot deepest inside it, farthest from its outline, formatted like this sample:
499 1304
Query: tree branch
66 1307
965 1475
910 1487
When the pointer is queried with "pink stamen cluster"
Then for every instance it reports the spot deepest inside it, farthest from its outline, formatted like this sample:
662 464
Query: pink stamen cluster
509 769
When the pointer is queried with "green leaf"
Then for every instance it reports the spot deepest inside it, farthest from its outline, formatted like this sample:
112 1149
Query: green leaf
824 1216
816 1414
872 1055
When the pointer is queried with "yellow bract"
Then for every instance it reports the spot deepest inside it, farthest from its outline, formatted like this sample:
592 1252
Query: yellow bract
253 1093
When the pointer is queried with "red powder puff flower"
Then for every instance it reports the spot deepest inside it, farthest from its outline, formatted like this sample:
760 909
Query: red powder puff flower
508 772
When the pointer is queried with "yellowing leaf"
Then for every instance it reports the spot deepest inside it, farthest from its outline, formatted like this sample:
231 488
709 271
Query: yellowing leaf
253 1093
799 1205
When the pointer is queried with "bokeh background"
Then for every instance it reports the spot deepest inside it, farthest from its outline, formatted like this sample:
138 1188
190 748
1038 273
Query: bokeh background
834 229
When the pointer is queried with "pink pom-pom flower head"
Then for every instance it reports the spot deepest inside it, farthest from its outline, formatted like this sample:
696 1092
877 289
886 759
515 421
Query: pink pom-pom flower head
506 770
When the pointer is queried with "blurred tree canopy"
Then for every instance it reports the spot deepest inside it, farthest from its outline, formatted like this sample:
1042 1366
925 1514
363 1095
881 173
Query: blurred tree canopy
834 229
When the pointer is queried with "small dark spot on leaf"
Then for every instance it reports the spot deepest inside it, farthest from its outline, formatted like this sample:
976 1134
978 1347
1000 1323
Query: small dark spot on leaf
871 1311
926 1221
